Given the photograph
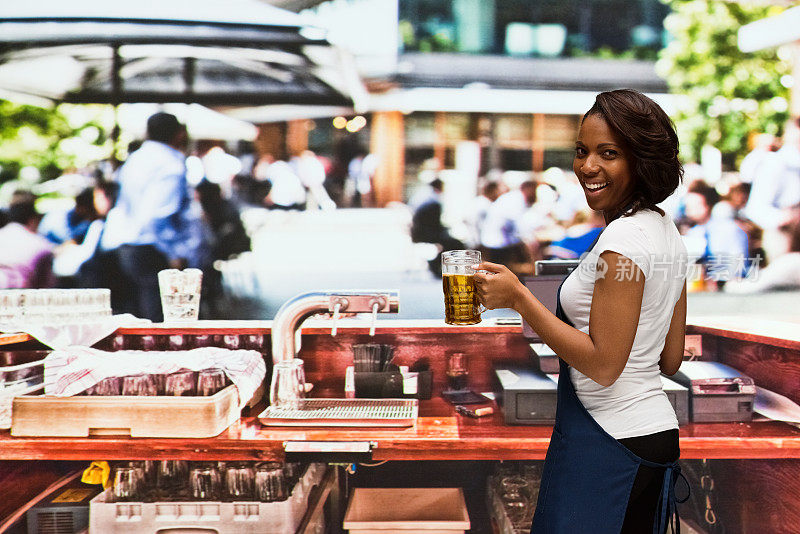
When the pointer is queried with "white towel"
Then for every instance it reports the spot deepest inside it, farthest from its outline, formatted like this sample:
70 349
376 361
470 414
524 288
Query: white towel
72 370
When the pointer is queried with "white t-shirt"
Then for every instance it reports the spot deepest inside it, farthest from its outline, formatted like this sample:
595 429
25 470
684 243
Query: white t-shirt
634 405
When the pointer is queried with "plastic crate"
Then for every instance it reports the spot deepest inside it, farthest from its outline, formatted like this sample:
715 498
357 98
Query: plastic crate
137 417
206 516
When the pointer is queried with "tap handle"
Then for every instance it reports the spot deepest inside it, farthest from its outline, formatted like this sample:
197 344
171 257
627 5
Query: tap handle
375 307
336 308
337 305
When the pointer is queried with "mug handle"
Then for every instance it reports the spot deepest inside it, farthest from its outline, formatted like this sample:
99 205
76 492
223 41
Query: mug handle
481 307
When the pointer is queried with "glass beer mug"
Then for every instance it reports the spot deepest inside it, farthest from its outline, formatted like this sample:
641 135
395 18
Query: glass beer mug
461 304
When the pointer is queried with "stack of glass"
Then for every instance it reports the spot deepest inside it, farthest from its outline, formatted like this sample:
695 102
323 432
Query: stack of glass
183 383
512 492
184 341
180 480
53 306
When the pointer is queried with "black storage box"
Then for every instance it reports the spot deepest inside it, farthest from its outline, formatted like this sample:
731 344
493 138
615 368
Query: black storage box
389 385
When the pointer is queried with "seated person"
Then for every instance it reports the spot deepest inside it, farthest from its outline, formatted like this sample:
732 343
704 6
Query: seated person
27 260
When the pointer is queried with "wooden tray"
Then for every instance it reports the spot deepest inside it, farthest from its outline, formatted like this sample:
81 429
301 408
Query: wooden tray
407 511
138 417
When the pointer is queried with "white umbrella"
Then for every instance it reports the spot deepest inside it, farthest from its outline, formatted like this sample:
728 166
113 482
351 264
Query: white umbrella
201 122
232 52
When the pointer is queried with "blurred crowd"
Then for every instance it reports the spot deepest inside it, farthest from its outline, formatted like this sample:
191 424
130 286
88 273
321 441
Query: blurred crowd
176 203
173 203
741 229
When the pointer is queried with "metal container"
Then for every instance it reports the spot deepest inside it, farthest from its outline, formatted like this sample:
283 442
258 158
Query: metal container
717 392
678 396
528 396
544 288
546 357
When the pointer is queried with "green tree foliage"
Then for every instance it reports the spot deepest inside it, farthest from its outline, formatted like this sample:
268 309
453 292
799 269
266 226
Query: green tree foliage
44 138
724 94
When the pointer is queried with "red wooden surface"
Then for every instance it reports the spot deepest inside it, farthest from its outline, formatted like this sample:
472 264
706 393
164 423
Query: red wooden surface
439 432
783 334
755 467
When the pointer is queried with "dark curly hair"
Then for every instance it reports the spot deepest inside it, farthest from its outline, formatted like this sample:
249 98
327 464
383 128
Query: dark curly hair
651 140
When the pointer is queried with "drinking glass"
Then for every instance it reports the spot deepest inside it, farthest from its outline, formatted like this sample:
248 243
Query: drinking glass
515 496
457 373
461 306
119 342
270 482
205 482
210 381
177 342
300 367
11 301
35 307
239 481
145 478
231 341
108 387
286 388
139 385
253 342
292 471
172 475
181 384
128 482
515 484
180 294
532 472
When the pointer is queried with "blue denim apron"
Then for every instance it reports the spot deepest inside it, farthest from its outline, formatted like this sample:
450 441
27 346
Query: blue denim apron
588 475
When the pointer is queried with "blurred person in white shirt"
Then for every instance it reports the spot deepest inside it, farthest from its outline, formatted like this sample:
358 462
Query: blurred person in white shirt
775 193
501 239
476 212
311 172
287 191
214 164
154 225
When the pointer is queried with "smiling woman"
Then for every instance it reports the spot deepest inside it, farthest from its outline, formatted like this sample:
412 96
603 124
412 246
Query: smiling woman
621 319
601 165
633 137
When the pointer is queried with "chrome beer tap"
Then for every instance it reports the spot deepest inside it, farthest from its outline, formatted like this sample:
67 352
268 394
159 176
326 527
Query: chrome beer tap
296 310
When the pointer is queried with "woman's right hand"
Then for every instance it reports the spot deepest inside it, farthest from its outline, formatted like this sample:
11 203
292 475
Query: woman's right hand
498 287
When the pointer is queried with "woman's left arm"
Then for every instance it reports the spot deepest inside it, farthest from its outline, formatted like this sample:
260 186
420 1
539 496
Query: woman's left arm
616 303
614 317
674 344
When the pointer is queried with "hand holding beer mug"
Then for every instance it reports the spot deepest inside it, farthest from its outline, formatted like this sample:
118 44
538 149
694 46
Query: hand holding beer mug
461 306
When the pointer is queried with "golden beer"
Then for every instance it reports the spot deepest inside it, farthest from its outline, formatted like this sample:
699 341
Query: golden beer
461 304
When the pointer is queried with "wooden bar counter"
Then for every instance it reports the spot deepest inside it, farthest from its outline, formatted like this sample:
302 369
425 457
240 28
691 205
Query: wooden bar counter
749 486
439 433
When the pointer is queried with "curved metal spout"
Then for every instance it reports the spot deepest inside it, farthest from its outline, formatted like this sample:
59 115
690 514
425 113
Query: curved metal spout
296 310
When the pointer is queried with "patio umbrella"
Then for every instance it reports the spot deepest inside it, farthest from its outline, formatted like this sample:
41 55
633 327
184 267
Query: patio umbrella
211 52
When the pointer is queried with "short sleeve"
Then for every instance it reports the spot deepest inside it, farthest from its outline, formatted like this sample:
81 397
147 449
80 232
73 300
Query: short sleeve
625 237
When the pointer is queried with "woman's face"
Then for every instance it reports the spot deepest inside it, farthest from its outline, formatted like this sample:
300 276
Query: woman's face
601 165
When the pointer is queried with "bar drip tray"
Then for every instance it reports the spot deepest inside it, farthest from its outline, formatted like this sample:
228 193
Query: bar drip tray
344 413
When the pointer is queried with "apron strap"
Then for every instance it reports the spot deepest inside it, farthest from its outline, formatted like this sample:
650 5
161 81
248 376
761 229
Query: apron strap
667 513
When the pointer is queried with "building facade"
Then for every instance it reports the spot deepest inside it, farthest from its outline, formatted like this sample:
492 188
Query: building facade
471 86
